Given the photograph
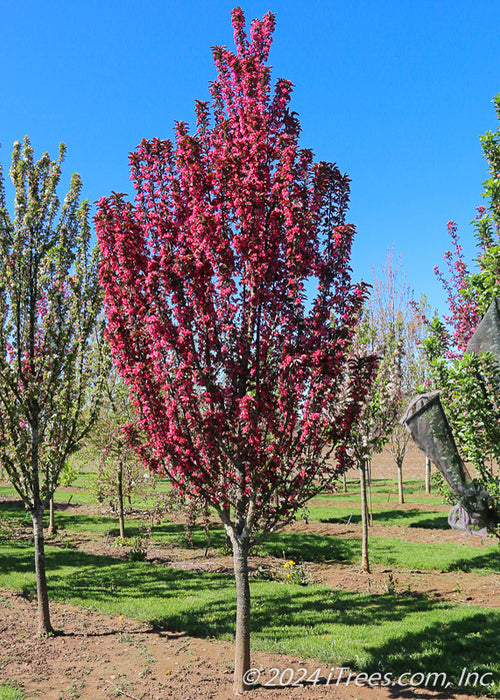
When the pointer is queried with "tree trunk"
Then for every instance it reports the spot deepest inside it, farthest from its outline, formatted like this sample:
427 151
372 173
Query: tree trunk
369 504
206 525
44 626
121 516
365 562
228 544
242 638
52 525
401 495
428 468
344 480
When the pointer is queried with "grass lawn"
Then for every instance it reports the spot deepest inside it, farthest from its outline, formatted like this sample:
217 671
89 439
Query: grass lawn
300 546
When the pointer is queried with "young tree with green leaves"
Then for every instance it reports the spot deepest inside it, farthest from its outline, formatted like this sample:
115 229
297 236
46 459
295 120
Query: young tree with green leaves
381 409
469 383
50 366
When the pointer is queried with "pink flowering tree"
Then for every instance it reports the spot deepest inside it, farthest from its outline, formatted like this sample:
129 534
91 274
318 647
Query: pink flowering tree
469 293
50 366
464 315
231 310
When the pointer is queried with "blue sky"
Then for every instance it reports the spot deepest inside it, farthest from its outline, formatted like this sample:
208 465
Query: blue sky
396 93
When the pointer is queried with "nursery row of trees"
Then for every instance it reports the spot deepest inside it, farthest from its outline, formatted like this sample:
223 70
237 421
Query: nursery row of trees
258 372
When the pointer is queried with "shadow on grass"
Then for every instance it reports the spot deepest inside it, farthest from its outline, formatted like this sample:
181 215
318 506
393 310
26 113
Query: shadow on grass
394 517
488 561
470 643
91 578
19 557
79 522
176 532
13 509
439 522
310 547
276 608
203 604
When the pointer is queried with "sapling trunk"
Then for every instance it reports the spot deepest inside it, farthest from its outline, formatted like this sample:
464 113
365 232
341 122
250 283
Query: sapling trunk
44 625
121 514
365 562
228 545
242 637
428 468
401 495
369 502
206 526
52 525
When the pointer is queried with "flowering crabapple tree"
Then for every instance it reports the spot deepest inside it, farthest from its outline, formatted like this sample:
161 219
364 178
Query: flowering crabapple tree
237 376
470 293
462 301
50 302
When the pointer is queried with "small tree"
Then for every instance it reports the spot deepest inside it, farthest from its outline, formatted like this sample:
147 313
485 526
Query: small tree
381 409
395 315
49 306
468 384
121 472
235 374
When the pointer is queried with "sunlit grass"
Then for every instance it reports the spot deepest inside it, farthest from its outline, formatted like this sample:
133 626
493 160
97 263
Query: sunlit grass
10 692
390 552
382 491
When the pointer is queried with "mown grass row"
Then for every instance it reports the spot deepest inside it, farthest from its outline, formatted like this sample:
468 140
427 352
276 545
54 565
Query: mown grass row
383 491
